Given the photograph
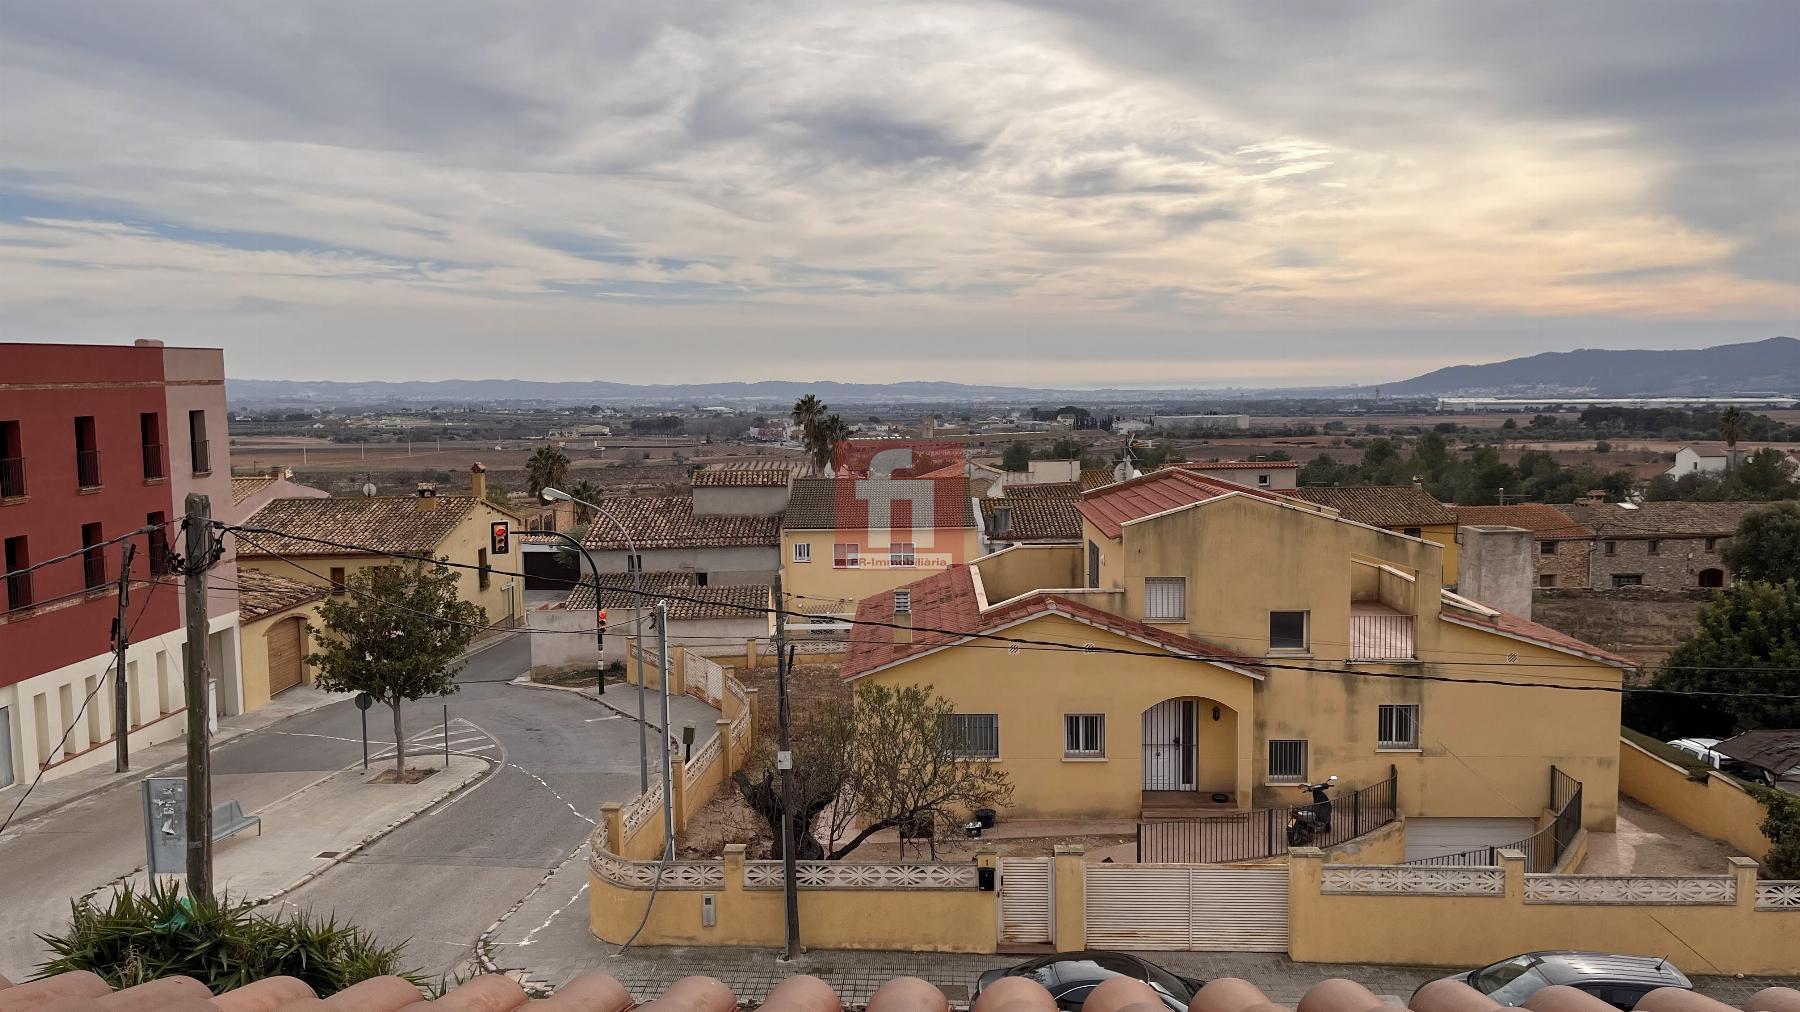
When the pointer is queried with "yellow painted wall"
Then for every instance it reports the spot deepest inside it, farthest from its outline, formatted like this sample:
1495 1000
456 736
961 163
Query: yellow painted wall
253 639
921 920
1476 930
1022 569
813 585
1485 750
1714 807
462 546
1033 690
1444 535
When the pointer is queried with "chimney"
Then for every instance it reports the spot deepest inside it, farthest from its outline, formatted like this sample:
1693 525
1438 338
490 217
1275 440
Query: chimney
478 480
1496 567
426 502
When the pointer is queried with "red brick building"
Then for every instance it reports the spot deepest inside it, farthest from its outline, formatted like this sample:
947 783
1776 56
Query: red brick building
86 465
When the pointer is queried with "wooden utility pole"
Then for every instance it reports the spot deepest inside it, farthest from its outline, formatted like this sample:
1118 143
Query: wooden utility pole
785 761
196 557
121 686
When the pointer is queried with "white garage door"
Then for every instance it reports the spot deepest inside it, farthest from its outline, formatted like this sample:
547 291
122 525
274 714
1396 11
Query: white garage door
1201 907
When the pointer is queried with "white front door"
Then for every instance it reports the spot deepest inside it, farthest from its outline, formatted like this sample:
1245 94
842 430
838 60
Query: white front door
1169 753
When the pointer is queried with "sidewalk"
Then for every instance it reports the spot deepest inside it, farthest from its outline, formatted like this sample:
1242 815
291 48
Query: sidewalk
53 793
325 823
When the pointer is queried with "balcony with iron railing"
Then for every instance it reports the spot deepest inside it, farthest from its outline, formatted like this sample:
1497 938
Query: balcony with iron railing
87 468
153 462
93 568
1379 633
12 477
202 456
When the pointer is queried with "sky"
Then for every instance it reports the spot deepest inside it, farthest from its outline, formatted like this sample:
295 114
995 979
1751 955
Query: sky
1075 193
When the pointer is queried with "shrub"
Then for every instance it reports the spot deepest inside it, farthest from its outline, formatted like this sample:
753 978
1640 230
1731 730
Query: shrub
133 937
1781 825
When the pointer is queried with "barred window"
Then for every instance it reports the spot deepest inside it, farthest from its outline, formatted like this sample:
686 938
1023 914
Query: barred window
974 735
1398 725
1084 735
1165 598
1287 761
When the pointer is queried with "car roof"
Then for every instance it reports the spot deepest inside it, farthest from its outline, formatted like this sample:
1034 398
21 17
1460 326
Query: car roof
1568 967
1700 743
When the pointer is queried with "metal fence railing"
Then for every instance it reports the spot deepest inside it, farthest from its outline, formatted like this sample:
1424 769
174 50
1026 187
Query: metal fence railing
1263 832
1542 849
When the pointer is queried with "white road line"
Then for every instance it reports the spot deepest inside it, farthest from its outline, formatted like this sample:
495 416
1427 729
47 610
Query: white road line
532 934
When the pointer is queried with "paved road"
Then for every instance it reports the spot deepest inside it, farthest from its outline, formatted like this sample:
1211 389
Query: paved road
439 881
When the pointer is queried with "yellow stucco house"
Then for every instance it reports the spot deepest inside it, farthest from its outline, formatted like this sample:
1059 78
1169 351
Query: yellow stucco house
275 613
1214 645
453 527
843 539
1403 509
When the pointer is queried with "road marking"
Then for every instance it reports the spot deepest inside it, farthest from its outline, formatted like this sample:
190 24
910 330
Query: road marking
610 716
532 934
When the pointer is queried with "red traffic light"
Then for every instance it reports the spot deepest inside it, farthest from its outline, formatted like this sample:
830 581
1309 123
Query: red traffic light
500 536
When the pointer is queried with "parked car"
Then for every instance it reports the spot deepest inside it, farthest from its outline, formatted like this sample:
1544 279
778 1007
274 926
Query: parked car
1071 976
1702 749
1617 980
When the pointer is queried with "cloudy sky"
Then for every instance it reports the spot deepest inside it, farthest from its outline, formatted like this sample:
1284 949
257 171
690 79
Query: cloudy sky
1074 192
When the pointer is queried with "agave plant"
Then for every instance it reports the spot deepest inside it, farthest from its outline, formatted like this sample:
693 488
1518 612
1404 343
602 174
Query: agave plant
131 937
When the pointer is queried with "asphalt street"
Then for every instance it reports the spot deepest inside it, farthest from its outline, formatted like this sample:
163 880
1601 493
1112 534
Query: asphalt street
437 882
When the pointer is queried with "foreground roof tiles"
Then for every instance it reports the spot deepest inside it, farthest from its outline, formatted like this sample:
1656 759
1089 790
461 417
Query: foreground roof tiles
728 476
245 487
1035 513
599 992
1508 624
669 521
261 594
1381 505
1667 519
382 523
1111 506
945 610
1544 521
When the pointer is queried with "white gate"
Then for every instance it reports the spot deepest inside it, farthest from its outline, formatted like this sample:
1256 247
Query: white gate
1201 907
1025 900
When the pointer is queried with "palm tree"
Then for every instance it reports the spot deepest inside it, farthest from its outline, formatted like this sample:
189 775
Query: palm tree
1731 426
547 468
588 491
827 433
807 412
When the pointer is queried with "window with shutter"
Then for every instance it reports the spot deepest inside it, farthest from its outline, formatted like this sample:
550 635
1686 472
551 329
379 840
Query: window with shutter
1165 598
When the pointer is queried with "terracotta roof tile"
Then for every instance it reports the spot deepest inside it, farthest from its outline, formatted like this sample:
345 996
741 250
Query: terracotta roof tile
1096 477
1509 624
668 521
1666 519
687 600
725 476
261 594
1380 505
599 992
1112 505
1238 465
244 488
946 602
1035 513
1544 521
842 504
384 523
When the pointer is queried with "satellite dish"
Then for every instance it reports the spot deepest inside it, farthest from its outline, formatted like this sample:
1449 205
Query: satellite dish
368 488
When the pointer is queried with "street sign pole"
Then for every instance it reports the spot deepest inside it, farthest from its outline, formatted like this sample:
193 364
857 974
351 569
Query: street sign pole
363 702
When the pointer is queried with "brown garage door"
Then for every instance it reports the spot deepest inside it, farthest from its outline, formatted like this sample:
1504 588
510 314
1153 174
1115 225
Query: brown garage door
284 655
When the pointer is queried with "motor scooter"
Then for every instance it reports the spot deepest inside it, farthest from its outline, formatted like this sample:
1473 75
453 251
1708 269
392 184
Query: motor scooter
1307 823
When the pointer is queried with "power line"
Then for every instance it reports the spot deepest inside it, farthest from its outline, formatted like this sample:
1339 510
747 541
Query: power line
83 551
241 530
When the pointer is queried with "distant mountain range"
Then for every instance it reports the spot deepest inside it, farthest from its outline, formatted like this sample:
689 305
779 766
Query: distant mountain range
1771 366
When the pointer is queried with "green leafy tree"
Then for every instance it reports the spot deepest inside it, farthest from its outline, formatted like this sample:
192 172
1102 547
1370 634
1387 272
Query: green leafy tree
1781 827
1766 546
1509 425
547 468
1748 642
1731 429
1017 456
396 635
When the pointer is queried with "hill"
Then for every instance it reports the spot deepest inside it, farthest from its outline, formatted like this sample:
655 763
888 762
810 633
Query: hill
1771 366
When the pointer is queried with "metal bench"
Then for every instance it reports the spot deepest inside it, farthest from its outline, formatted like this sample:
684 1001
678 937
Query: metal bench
229 820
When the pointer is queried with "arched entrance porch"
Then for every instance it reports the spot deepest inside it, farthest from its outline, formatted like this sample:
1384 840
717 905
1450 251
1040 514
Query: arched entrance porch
1190 759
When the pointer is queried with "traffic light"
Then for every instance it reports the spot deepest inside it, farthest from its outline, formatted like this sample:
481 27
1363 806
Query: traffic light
600 629
500 533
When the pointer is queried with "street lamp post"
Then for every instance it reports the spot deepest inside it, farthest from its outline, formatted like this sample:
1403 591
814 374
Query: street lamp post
550 495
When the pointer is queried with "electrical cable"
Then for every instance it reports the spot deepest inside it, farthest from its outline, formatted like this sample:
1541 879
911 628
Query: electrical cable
966 634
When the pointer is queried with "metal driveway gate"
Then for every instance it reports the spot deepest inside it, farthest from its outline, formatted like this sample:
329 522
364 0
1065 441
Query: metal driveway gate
1200 907
1025 902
